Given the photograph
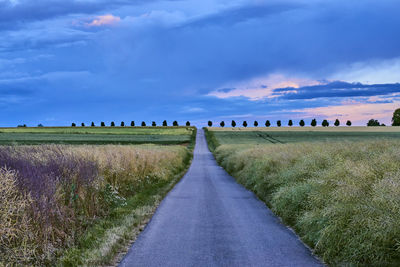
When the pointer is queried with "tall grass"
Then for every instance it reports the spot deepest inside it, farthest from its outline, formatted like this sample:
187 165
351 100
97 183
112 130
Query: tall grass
343 199
50 194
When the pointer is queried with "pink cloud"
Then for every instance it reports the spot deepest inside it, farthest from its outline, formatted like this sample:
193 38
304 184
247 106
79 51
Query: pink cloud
262 87
103 20
357 112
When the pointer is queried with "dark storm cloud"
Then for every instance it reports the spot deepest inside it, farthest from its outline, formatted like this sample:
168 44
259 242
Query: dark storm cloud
339 89
243 14
160 63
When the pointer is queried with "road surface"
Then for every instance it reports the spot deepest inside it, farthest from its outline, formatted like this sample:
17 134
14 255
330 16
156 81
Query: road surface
210 220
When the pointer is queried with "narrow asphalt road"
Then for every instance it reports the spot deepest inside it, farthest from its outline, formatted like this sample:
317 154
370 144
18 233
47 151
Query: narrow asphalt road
210 220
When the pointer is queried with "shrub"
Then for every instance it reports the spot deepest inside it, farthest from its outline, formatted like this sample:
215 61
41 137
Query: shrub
132 123
267 123
154 124
314 123
337 122
301 123
102 124
143 124
164 123
175 123
83 124
325 123
222 124
92 124
290 123
209 123
122 124
188 123
279 123
348 123
396 117
373 122
244 123
255 123
73 125
233 123
40 125
112 124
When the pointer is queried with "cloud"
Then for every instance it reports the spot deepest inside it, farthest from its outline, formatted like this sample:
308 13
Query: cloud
341 89
273 85
358 112
103 20
369 72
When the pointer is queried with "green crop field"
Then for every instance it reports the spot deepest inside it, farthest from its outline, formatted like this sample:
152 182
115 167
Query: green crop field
96 135
337 187
275 135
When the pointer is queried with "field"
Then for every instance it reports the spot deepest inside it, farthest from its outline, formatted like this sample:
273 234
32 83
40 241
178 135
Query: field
340 194
273 135
96 135
81 204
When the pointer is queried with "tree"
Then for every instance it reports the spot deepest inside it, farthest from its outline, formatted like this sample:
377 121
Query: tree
222 124
132 123
188 123
40 125
301 123
102 124
348 123
373 122
73 124
290 123
314 123
233 123
209 123
175 123
92 124
143 124
112 124
154 124
337 122
255 123
396 117
279 123
267 123
122 124
244 123
325 123
164 123
83 124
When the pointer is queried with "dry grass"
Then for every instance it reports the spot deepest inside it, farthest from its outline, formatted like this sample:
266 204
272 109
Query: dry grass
343 199
50 194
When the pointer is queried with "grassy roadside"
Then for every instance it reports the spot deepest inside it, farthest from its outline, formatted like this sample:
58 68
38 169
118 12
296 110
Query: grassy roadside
107 241
212 141
341 198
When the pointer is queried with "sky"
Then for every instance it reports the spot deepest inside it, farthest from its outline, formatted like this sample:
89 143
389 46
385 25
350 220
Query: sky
148 60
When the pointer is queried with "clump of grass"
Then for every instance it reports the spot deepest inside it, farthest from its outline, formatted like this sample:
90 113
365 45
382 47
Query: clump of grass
53 193
341 198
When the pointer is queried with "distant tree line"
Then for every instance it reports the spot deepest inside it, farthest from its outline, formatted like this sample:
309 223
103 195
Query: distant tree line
302 123
122 124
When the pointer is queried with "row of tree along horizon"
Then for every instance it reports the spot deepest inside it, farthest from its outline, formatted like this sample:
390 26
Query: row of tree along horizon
325 123
132 124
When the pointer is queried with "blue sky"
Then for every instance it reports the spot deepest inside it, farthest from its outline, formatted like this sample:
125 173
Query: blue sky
83 61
